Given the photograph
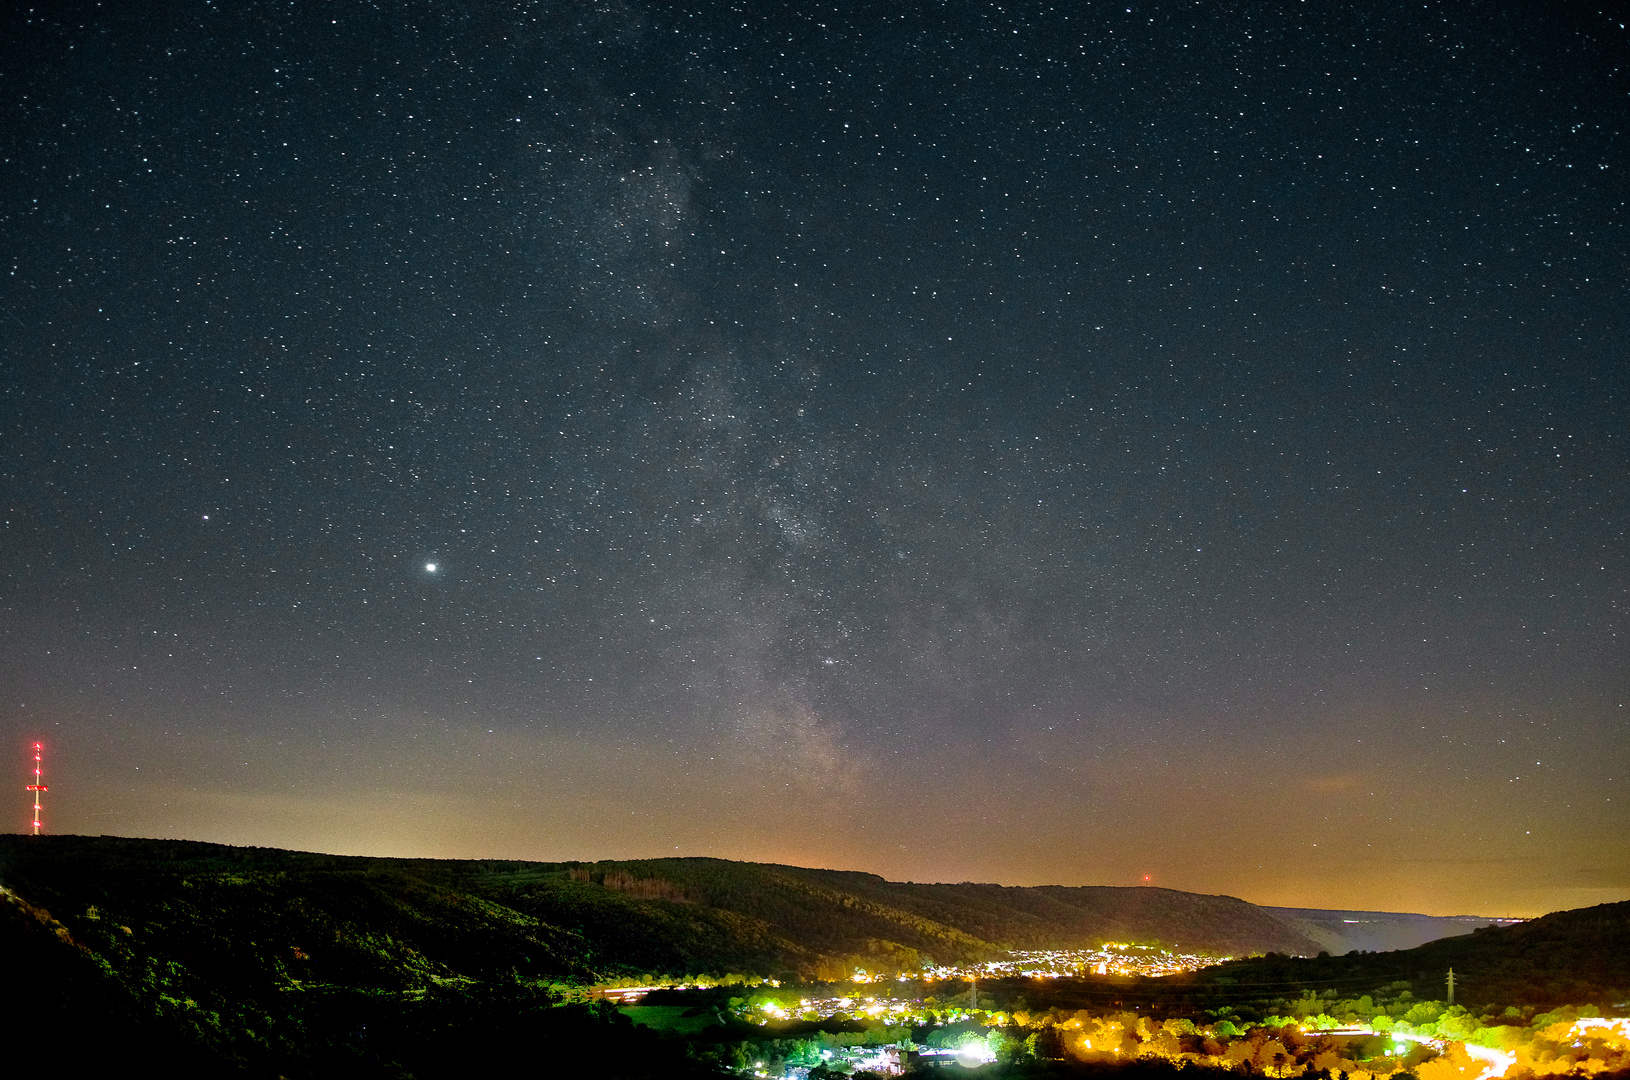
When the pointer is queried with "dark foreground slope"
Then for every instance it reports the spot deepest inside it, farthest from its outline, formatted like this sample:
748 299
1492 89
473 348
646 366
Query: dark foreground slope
85 1005
196 957
1567 957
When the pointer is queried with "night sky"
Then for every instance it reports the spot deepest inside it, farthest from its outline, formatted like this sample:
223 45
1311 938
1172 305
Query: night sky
1021 443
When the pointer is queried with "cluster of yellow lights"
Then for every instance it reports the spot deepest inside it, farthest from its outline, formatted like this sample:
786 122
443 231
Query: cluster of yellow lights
1485 1063
1110 958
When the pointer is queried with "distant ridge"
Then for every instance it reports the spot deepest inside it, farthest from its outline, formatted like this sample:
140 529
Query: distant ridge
1379 931
578 921
1579 956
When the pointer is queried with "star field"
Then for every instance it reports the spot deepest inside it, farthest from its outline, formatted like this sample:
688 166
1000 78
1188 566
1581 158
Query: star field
1033 443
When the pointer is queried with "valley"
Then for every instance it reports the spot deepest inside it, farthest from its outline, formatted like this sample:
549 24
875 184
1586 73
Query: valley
274 962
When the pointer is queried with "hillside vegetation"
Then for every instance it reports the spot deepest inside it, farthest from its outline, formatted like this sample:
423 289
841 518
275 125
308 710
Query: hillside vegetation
1575 956
274 962
281 916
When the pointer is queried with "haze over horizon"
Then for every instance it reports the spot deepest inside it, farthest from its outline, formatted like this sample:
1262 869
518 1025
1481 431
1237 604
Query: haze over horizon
1020 443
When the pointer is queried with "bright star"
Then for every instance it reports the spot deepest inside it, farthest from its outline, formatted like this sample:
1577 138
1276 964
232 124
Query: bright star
430 566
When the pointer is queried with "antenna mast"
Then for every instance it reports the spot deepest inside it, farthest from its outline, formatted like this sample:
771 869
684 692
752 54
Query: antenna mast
36 787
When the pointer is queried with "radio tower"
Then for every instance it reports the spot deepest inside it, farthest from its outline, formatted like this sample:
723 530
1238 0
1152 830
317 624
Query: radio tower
36 787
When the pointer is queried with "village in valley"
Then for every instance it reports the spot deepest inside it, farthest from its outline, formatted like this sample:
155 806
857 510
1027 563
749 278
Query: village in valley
888 1025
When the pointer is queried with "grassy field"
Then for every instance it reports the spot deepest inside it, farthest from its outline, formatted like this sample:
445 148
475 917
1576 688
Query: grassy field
678 1018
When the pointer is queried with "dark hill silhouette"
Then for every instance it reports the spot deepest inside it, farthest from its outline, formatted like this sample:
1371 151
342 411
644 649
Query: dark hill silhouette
1567 957
393 923
267 962
1379 931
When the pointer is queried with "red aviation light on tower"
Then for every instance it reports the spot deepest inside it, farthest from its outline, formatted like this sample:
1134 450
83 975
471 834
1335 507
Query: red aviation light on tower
36 787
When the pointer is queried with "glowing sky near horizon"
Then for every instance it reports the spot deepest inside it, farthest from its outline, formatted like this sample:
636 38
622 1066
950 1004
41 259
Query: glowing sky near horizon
1020 443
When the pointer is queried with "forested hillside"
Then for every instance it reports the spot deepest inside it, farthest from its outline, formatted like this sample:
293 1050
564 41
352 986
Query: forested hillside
1568 956
309 964
289 963
394 923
